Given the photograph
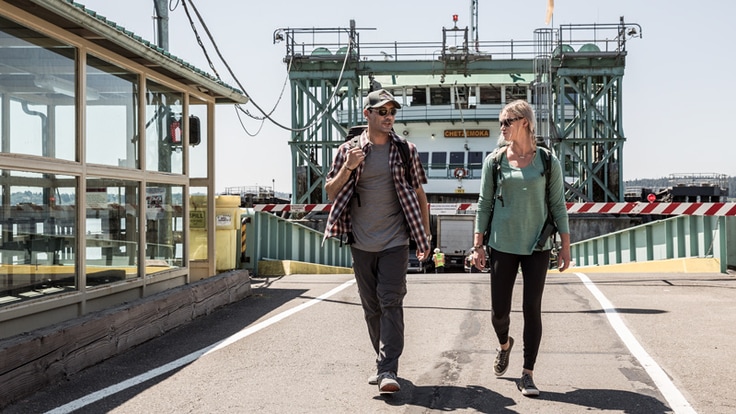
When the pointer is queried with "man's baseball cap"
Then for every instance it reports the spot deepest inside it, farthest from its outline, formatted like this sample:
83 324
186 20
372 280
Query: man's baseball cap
377 99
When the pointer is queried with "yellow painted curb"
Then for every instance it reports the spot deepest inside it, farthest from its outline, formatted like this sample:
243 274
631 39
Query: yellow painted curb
291 267
684 265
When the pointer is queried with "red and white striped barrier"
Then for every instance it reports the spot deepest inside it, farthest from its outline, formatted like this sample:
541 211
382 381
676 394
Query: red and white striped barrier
675 209
634 208
293 208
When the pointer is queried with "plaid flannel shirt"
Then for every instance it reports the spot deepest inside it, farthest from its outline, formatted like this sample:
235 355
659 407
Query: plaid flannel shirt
339 221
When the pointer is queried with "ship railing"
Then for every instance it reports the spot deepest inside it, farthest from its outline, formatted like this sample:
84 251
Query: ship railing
414 113
336 43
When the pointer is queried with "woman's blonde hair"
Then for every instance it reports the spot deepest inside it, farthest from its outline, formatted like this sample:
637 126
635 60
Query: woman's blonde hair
521 109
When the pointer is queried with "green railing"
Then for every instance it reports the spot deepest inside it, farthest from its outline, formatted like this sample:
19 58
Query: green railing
269 237
672 238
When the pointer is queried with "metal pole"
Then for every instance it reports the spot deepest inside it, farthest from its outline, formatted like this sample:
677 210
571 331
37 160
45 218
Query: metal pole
162 23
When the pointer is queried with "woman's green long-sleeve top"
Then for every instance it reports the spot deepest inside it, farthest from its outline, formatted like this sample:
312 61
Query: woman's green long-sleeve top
520 211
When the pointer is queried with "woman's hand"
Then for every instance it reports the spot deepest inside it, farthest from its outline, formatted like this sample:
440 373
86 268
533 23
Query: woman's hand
479 258
563 259
564 256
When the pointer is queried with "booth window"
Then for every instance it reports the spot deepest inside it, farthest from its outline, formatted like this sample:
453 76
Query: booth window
38 84
38 230
112 115
164 227
164 129
111 230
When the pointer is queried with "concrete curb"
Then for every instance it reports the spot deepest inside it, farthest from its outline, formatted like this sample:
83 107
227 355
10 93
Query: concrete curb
684 265
292 267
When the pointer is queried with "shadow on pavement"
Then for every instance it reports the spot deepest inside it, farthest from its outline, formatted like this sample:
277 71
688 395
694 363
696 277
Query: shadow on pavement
450 398
614 400
481 399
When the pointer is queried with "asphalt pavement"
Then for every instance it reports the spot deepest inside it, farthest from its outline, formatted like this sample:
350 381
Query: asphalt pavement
615 343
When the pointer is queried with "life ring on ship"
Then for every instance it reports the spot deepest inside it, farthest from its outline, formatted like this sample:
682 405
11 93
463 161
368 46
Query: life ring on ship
460 173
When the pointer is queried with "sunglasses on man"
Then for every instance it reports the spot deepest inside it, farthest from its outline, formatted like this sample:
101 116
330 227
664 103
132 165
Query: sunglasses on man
384 111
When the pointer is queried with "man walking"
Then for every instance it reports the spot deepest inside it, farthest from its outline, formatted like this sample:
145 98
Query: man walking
376 210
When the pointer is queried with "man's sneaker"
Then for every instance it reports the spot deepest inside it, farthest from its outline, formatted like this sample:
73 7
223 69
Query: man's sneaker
373 379
387 383
502 359
526 385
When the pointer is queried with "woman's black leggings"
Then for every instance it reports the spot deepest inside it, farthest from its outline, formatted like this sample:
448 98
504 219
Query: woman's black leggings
504 267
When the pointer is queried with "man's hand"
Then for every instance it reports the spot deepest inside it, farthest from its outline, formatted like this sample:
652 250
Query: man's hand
355 156
422 255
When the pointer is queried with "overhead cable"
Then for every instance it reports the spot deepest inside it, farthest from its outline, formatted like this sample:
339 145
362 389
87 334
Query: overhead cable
318 116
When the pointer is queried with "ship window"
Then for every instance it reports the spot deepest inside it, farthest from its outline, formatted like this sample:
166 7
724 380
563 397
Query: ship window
418 97
438 167
424 158
439 159
475 163
457 159
515 92
465 97
440 96
475 158
490 95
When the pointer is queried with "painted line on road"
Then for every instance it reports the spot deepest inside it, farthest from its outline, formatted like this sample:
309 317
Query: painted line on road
113 389
674 397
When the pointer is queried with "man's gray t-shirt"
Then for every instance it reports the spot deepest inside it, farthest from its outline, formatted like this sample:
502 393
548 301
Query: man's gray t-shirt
378 223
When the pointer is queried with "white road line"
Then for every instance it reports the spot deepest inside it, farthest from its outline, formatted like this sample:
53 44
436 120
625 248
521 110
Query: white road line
113 389
674 397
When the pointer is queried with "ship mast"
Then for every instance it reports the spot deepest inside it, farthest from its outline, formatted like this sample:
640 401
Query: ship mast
474 24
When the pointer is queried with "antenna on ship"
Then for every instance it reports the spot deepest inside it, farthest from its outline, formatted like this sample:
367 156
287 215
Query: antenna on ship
474 24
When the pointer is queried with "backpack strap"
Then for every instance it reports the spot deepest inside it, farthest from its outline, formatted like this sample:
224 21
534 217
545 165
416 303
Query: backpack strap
354 142
403 148
549 229
497 177
546 163
496 156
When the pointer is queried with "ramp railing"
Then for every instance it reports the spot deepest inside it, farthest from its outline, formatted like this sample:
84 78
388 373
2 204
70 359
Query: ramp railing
684 236
270 237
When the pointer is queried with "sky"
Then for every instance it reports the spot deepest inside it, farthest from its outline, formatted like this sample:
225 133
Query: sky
676 108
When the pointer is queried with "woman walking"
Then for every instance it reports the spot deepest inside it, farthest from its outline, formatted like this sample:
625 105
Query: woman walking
516 205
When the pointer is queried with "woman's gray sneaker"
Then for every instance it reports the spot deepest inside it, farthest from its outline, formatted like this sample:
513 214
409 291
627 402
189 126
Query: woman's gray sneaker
526 386
502 359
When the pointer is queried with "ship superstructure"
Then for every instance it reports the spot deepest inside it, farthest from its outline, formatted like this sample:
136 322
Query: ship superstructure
452 93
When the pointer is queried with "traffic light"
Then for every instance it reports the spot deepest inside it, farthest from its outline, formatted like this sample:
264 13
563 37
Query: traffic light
175 130
195 137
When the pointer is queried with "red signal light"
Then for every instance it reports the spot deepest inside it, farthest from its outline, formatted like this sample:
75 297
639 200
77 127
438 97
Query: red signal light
454 17
651 197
